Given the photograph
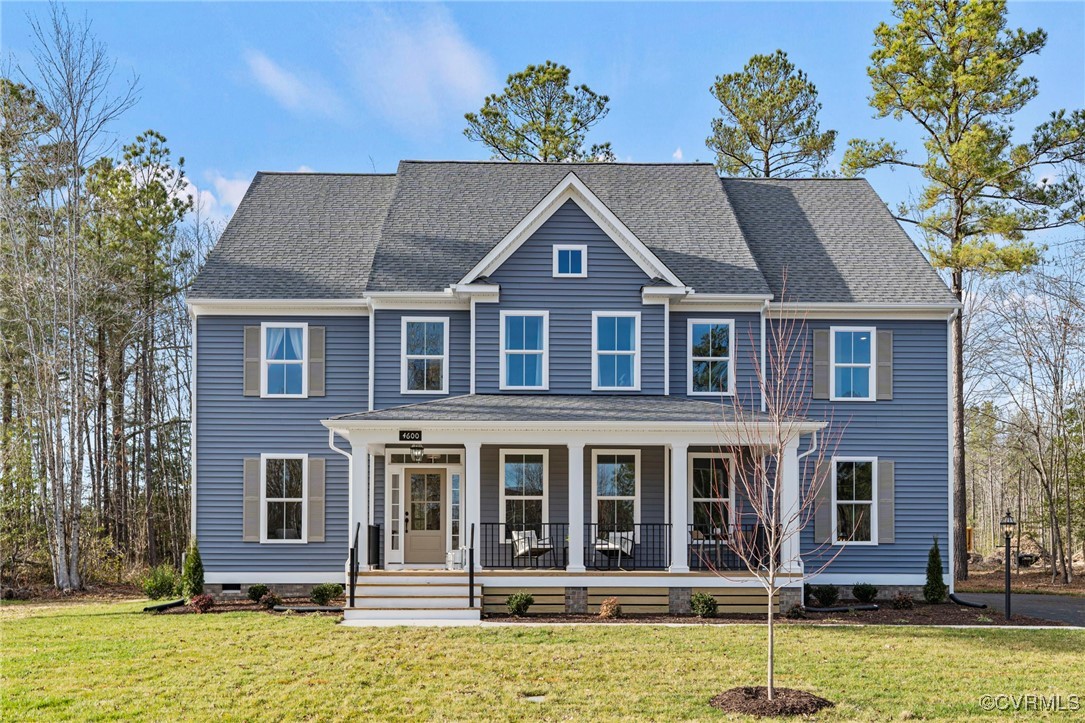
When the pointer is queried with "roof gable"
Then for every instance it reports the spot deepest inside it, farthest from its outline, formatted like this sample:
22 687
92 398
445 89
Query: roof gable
573 189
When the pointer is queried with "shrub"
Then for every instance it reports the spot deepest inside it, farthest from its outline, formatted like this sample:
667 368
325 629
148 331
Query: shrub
902 601
192 572
519 602
935 589
825 595
201 603
610 608
258 591
326 592
703 605
864 592
270 600
796 612
160 581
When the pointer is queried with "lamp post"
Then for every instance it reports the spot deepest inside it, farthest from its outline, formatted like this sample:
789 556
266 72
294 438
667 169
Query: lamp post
1008 524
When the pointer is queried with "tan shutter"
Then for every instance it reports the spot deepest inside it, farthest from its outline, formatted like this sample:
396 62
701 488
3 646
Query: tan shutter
316 499
886 502
821 364
252 361
316 361
885 365
250 512
823 511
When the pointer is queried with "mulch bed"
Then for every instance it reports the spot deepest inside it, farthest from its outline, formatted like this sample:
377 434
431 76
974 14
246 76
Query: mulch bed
753 700
243 604
921 614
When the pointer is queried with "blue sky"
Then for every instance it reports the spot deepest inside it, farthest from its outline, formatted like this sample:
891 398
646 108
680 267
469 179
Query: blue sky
242 87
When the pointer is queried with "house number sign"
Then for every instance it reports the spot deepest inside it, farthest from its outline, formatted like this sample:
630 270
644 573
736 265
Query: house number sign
410 435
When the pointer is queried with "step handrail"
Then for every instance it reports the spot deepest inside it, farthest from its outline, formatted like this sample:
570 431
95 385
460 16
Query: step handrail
471 567
354 562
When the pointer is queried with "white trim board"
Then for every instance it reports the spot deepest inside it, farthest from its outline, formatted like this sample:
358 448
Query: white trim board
264 361
503 352
572 188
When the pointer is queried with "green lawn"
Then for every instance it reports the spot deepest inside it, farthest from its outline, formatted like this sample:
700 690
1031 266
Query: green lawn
92 661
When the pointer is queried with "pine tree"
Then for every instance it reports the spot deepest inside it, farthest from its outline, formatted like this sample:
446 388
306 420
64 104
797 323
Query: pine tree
192 572
935 589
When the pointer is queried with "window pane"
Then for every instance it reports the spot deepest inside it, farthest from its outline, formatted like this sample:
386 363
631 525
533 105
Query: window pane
845 480
625 475
701 340
533 512
434 374
293 346
702 376
514 515
275 343
853 523
514 484
606 331
532 370
710 477
710 516
864 481
416 337
608 517
606 473
850 382
416 374
563 261
533 332
721 340
624 514
293 378
514 332
276 521
514 370
433 487
293 520
843 347
433 515
276 378
576 261
860 347
435 337
274 482
293 478
623 370
533 475
626 333
608 370
719 379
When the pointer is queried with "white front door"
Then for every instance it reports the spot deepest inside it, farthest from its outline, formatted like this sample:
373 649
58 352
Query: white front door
424 522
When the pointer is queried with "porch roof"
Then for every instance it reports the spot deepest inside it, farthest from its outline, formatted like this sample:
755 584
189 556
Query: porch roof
559 408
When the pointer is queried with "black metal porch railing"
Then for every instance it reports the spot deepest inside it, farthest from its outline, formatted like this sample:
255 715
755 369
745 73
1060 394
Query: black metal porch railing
534 546
647 546
714 548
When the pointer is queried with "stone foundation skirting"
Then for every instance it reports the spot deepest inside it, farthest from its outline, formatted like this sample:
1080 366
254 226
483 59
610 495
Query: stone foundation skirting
280 589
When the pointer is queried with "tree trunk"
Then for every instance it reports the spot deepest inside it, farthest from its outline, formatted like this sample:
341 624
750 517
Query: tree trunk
960 495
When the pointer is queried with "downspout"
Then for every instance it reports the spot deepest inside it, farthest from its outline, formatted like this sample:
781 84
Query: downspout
372 351
764 377
192 428
950 540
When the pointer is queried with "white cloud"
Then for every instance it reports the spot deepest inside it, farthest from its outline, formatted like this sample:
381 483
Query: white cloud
229 191
302 93
415 67
304 169
677 155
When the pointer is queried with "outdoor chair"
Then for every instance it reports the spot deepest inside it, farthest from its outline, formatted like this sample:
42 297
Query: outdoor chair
616 545
526 544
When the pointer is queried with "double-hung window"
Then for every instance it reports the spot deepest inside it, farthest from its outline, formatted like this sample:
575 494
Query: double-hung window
711 478
853 364
711 367
524 349
425 355
523 490
616 490
283 364
284 491
570 261
853 500
615 350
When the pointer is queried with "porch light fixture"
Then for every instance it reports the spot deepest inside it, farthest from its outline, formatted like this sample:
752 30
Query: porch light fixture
1008 524
417 451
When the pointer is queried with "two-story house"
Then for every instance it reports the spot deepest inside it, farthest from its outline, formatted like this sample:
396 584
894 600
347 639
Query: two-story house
524 375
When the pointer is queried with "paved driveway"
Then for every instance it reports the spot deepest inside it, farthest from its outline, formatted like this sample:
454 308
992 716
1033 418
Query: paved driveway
1064 608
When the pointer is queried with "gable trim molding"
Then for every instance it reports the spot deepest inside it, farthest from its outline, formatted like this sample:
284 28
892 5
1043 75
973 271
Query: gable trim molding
572 188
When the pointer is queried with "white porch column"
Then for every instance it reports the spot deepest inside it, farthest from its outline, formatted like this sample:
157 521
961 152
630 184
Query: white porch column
576 508
679 508
358 499
790 508
472 494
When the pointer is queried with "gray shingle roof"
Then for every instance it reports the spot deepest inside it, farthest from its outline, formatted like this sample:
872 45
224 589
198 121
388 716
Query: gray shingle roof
335 236
553 408
446 217
297 236
835 239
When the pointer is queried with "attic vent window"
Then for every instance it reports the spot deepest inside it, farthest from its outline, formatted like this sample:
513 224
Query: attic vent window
570 261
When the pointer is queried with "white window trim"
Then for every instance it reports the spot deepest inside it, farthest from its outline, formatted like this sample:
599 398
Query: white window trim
595 497
304 498
873 502
545 453
403 355
583 249
264 326
595 316
729 500
873 331
730 358
545 315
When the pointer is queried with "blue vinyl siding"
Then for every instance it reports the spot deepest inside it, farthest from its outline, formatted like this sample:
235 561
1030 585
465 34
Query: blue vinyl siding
231 427
747 351
912 431
613 283
387 340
